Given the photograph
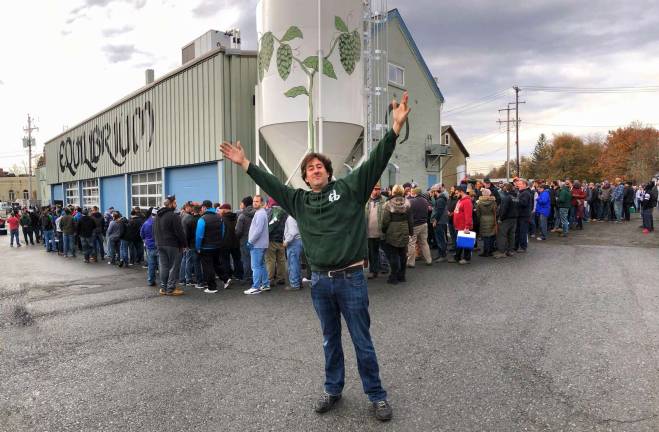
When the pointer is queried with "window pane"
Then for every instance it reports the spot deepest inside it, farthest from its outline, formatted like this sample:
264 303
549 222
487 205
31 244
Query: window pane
159 175
143 178
135 201
152 176
136 190
152 189
159 189
144 189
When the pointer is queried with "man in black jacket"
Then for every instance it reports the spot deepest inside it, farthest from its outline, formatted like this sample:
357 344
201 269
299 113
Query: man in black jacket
170 240
507 218
99 231
230 250
495 192
275 256
208 241
524 210
86 227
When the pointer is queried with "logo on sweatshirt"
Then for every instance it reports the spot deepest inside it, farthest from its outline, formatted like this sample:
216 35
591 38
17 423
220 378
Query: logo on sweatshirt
334 196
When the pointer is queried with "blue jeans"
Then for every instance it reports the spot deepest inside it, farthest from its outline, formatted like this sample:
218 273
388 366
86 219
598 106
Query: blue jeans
113 246
440 239
293 254
98 245
123 251
522 233
87 246
543 226
259 272
69 245
152 265
617 207
564 212
347 296
12 234
193 265
48 240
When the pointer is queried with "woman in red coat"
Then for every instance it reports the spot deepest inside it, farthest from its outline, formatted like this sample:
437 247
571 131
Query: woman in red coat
463 221
578 199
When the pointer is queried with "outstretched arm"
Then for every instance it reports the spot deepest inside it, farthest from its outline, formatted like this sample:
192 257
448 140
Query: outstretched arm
362 179
283 194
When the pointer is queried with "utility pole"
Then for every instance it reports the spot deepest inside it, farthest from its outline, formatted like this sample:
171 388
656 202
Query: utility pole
517 120
29 130
507 122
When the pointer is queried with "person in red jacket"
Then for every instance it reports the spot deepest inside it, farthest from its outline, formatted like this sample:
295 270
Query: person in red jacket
13 222
578 199
463 221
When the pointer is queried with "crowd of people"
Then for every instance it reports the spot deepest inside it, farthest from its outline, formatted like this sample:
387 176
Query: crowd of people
261 244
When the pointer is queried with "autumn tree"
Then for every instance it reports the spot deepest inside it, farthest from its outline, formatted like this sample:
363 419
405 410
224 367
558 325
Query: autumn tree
631 152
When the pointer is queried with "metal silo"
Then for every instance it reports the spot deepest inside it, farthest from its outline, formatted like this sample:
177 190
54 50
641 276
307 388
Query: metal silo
302 107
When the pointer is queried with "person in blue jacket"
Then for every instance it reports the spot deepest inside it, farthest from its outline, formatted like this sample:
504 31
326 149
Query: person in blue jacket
543 210
146 232
208 240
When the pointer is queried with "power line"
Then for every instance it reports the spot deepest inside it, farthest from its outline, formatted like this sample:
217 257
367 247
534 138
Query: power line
593 126
477 102
591 90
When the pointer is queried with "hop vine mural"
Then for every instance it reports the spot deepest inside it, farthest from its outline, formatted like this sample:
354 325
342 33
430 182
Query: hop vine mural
349 45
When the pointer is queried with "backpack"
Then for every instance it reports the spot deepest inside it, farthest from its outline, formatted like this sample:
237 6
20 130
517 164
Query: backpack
275 219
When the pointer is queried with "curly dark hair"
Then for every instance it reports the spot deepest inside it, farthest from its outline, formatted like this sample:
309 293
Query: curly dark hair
322 158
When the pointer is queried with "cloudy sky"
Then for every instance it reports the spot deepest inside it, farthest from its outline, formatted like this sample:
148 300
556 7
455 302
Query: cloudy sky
64 61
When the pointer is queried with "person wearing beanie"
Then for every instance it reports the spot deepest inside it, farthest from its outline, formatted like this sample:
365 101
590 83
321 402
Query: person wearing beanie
507 223
209 235
242 232
486 211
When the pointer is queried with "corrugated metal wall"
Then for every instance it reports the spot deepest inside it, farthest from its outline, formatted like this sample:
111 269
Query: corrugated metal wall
178 121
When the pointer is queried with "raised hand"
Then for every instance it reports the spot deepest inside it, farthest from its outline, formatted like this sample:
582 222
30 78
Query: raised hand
400 112
235 153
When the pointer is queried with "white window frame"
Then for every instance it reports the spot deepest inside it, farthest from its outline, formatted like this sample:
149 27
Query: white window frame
90 193
71 194
397 69
12 195
146 189
26 194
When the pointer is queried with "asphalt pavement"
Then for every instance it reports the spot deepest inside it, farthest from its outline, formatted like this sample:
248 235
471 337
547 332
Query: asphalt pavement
562 338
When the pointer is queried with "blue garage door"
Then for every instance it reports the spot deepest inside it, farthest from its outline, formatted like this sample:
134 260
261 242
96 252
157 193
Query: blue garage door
113 193
195 183
432 179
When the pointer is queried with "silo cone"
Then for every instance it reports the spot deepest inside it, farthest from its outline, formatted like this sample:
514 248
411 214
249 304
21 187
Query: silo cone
287 95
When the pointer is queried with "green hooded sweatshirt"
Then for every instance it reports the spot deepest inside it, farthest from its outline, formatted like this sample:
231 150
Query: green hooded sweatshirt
331 222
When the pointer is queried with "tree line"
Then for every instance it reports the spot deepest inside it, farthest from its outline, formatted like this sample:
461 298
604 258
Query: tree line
631 153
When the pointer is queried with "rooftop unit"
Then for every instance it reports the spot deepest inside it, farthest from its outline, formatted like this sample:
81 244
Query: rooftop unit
212 39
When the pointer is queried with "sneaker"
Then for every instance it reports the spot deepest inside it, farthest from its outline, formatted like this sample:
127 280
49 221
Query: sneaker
305 280
227 283
177 292
163 292
392 281
152 284
441 259
265 288
646 231
383 411
210 291
498 255
451 260
200 286
541 239
463 261
252 291
291 288
521 251
326 403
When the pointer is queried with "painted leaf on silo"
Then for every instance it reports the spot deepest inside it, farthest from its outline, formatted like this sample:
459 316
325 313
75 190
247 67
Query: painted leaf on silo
328 69
340 25
358 44
265 53
311 62
296 91
292 33
284 60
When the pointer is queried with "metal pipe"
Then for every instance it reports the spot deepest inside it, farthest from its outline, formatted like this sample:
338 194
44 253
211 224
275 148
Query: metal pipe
320 79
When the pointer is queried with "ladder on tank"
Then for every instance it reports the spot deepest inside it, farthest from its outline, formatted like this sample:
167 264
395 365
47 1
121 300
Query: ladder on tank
375 15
